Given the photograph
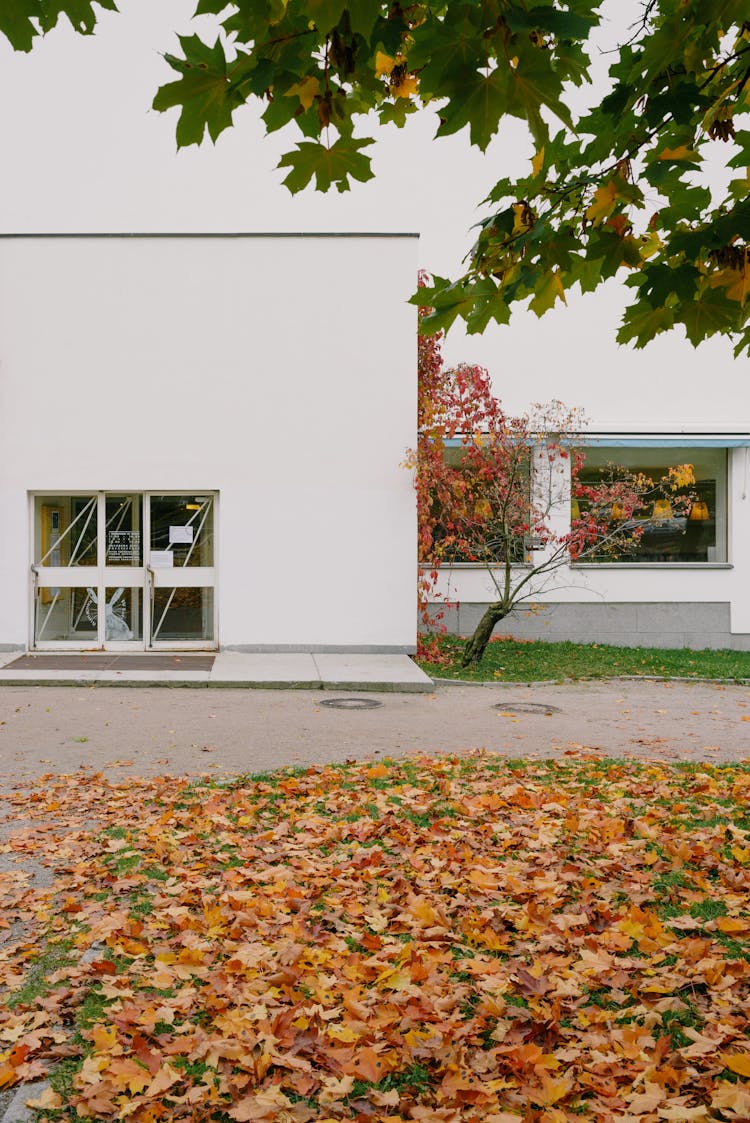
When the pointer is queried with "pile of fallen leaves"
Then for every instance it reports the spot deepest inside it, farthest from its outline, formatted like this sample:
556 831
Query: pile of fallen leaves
438 940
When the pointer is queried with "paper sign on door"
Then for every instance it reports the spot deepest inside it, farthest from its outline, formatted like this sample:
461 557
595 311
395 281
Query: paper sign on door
162 559
180 534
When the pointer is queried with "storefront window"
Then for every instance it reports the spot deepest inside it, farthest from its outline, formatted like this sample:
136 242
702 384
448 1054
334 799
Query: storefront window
696 534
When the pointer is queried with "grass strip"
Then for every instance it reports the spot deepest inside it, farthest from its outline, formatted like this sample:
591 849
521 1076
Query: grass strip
512 660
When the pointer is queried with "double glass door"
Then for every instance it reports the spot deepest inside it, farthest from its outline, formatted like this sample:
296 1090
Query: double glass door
124 571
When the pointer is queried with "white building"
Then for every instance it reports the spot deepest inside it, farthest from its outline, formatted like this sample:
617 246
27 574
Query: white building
193 441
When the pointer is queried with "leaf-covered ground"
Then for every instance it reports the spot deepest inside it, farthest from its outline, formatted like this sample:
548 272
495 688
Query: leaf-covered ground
447 940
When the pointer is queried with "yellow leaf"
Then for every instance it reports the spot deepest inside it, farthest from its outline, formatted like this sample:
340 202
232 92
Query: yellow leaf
523 218
650 244
482 879
680 153
735 282
741 854
104 1038
681 1114
407 86
736 1062
731 923
632 928
553 1088
384 64
537 161
342 1033
165 1078
603 204
733 1097
306 91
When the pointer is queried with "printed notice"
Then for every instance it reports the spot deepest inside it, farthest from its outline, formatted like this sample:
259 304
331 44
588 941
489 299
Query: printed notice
180 534
162 559
123 546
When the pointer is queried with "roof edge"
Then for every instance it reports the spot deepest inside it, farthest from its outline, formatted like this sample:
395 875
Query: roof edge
212 234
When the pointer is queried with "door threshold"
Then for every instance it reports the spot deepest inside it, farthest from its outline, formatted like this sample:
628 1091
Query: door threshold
112 661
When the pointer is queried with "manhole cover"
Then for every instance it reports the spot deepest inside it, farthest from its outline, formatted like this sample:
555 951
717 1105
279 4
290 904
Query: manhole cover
351 703
526 708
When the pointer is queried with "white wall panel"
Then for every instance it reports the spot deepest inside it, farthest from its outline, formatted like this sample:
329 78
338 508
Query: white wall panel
280 372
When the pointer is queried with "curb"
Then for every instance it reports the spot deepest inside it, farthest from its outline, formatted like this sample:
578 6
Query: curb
577 681
384 686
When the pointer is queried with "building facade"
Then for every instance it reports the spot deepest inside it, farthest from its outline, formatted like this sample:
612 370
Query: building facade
202 440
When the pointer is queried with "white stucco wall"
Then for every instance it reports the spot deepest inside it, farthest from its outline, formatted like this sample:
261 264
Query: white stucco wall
278 371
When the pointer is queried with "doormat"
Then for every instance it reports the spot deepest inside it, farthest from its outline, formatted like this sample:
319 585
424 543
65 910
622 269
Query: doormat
103 661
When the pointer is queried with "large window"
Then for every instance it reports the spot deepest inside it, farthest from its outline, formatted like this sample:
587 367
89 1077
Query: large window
696 533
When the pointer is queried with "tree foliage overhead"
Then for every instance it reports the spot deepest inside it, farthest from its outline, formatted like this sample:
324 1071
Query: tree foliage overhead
619 185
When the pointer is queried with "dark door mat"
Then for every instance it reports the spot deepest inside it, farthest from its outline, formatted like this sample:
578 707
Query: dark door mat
111 662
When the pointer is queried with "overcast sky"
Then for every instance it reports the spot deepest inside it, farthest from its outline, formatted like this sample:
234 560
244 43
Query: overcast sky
83 151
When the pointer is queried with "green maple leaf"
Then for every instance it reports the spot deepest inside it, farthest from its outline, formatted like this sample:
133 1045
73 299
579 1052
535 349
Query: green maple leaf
326 13
363 15
479 102
334 165
535 84
15 22
80 13
743 343
548 291
709 313
488 305
17 16
448 301
445 46
565 25
643 323
204 92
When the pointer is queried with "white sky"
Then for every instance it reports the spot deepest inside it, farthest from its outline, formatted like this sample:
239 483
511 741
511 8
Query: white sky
83 151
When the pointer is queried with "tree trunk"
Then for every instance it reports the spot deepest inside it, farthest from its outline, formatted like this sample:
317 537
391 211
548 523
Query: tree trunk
482 634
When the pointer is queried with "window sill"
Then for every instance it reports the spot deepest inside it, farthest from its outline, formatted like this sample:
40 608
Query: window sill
478 565
651 565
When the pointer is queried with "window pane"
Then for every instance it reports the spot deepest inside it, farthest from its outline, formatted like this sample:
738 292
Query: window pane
65 530
182 526
65 614
697 535
491 537
123 530
123 617
183 614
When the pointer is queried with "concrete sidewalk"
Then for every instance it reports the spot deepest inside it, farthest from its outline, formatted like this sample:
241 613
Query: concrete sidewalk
287 670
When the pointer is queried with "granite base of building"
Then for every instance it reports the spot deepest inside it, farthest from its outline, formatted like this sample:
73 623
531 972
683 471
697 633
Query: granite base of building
692 624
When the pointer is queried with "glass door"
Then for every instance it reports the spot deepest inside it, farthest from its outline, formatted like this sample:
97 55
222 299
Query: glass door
182 571
123 571
64 568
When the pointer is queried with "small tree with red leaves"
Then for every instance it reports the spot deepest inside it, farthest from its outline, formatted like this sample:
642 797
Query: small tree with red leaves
499 491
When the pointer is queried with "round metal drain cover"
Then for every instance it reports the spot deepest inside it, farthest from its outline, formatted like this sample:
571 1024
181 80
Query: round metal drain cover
526 708
351 703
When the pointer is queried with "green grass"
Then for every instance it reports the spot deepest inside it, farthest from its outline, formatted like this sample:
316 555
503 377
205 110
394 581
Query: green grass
507 660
